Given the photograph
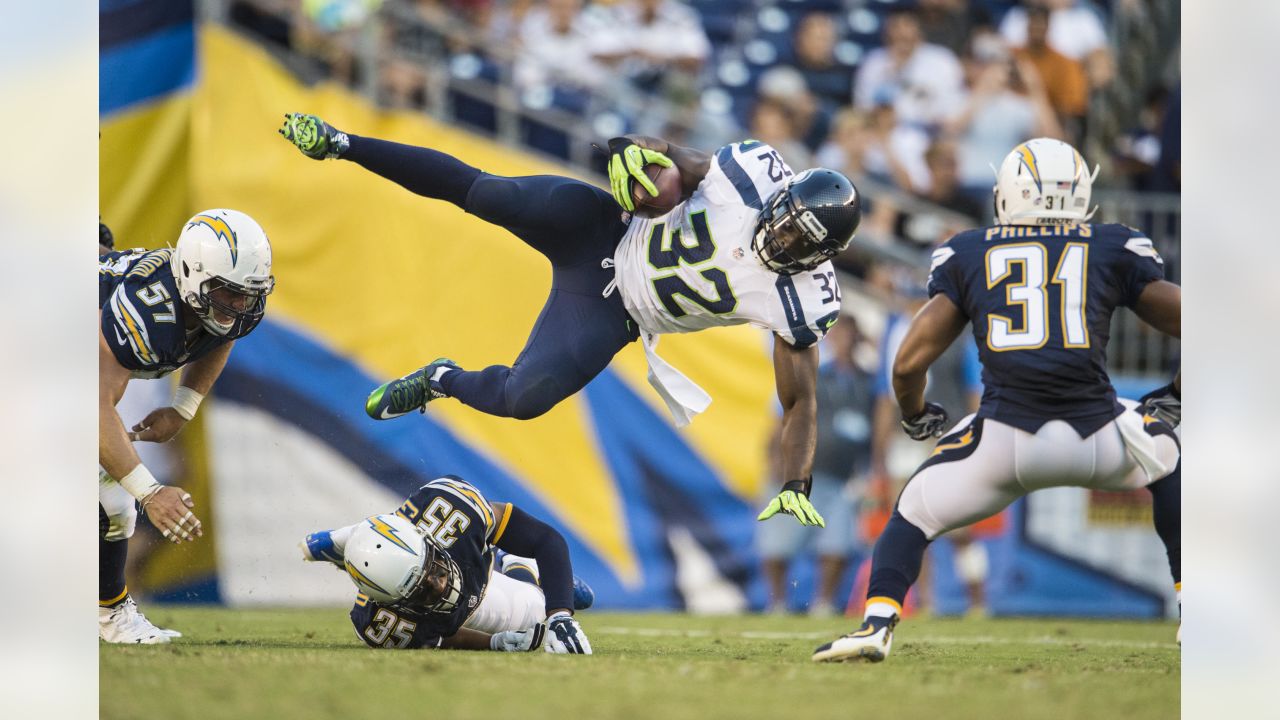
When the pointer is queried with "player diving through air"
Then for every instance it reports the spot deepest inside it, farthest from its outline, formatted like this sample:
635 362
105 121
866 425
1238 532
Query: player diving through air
160 310
750 242
426 575
1039 290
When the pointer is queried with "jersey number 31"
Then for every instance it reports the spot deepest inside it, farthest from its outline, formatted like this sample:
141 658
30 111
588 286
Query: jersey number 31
1031 295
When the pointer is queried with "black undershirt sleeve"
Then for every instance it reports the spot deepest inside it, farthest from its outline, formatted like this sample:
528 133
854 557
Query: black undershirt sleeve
528 536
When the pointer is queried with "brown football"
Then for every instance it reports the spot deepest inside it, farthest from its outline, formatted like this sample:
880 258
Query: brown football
670 189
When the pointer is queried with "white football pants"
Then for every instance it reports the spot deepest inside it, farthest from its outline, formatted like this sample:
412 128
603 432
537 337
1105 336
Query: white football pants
508 604
121 508
1008 463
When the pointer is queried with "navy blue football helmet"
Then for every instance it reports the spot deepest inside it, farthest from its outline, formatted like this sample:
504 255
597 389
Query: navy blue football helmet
807 222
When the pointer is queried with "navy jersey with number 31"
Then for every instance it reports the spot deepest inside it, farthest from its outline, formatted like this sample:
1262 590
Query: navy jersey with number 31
1040 299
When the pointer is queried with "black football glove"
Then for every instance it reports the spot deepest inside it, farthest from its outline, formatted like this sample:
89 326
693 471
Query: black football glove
930 423
1163 403
565 636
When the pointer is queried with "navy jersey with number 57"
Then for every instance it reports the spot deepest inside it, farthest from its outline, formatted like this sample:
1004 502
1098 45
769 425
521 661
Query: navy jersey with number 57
143 319
452 511
1040 299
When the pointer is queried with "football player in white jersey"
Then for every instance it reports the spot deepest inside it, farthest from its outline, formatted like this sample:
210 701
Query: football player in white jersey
749 243
1039 289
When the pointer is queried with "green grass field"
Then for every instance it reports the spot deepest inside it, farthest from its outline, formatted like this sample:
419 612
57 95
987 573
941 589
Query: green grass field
307 664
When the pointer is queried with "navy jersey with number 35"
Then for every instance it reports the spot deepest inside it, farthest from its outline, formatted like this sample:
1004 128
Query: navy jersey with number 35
1040 299
452 511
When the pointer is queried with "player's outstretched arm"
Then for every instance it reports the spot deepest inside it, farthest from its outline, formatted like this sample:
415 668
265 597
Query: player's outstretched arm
796 375
168 508
931 332
526 640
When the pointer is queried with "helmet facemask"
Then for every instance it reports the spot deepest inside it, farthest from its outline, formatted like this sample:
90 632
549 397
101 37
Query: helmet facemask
784 242
425 592
241 306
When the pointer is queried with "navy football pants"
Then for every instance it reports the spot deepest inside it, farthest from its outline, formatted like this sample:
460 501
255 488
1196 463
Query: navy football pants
575 226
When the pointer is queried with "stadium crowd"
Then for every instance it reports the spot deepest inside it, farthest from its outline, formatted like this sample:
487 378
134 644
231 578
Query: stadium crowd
916 98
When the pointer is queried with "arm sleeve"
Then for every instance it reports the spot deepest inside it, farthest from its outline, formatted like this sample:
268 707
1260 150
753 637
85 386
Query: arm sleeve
1140 265
527 536
419 170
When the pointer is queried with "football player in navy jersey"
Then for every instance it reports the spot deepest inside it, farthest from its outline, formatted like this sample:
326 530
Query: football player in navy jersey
1039 290
160 310
426 575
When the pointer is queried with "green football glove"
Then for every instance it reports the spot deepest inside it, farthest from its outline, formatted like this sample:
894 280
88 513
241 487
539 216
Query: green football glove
794 500
314 137
627 161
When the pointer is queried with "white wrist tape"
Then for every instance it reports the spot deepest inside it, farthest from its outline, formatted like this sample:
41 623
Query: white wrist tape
186 401
139 482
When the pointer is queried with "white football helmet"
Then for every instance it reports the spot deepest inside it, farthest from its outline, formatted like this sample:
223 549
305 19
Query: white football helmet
1043 182
392 562
222 265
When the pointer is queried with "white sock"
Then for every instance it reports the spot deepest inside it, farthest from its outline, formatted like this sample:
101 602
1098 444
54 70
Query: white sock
880 610
440 372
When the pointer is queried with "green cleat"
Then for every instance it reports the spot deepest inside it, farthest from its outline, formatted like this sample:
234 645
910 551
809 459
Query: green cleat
411 392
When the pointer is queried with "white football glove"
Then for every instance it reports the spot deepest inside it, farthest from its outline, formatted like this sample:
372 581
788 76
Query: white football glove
565 636
526 640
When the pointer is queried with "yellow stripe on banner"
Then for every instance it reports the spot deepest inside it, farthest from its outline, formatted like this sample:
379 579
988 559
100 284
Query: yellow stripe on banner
114 600
483 288
144 183
502 524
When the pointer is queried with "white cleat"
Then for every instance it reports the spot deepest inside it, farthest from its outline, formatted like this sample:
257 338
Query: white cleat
125 624
871 642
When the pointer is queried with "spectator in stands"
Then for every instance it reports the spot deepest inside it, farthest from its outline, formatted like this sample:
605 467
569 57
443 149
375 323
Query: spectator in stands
844 432
1168 177
786 86
894 151
654 38
772 123
560 45
922 226
659 46
270 20
1137 151
1006 106
814 45
846 148
925 82
328 30
1075 30
1064 79
502 22
950 23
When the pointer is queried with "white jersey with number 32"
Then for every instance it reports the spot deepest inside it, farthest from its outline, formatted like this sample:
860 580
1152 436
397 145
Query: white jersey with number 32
693 268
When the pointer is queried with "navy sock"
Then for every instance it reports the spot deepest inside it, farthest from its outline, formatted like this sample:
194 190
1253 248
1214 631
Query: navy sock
111 585
424 171
1166 510
895 564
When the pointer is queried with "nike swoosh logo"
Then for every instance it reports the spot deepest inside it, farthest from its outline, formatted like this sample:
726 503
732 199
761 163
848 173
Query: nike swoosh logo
385 415
119 337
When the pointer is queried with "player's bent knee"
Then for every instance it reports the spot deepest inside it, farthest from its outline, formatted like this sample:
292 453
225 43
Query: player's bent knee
911 508
526 403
